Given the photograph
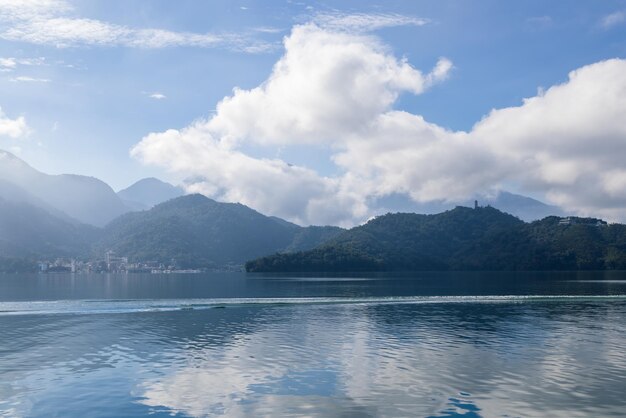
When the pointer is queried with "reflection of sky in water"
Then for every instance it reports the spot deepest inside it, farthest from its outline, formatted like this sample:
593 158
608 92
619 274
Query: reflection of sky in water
545 358
405 361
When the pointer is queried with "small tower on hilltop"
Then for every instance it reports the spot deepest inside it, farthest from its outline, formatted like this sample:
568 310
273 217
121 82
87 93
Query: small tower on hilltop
475 204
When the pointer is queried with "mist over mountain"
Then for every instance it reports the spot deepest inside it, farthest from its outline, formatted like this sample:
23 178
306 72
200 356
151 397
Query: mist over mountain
86 199
27 231
148 192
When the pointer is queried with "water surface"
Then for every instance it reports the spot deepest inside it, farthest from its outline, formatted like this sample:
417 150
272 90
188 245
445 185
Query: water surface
425 345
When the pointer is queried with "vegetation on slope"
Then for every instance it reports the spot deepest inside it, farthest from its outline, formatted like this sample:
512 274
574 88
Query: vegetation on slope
195 231
460 239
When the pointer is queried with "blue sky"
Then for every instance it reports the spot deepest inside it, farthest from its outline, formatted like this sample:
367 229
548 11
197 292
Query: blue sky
91 84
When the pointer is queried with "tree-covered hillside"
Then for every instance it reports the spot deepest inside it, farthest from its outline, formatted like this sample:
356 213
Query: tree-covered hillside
459 239
195 231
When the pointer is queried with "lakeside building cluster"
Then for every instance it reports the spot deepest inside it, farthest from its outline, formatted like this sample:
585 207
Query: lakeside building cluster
109 264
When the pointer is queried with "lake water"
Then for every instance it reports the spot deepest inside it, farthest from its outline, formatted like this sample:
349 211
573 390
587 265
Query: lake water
421 345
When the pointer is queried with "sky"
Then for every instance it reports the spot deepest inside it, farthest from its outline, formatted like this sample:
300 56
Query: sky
312 110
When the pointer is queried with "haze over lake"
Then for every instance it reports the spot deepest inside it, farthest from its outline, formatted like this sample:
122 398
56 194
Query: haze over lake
428 344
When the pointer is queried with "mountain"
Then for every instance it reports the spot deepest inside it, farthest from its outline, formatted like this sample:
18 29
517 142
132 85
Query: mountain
148 192
196 231
13 193
85 199
525 208
27 231
461 239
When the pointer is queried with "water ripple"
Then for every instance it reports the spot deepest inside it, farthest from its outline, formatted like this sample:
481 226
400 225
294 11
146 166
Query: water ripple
102 306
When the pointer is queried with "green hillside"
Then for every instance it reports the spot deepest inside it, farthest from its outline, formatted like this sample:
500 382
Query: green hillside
461 239
195 231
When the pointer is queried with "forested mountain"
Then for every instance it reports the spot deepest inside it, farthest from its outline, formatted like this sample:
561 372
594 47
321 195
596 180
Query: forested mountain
148 192
476 239
195 231
86 199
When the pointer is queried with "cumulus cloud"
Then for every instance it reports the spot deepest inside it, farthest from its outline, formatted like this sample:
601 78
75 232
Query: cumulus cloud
327 87
335 90
568 142
51 22
13 128
157 96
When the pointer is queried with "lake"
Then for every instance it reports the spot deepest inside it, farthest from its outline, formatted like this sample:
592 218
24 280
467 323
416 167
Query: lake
416 345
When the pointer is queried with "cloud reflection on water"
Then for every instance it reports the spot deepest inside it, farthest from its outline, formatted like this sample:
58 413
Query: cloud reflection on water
405 361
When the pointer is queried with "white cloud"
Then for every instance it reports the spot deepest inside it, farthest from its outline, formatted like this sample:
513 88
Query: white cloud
272 186
335 90
268 29
13 128
327 85
569 141
26 79
50 22
613 19
8 64
157 96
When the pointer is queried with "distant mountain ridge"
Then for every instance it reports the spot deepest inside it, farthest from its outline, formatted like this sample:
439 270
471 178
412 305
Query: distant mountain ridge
148 192
525 208
461 239
85 199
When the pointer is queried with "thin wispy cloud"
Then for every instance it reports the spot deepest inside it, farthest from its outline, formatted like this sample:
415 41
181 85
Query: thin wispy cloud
266 29
11 63
157 96
26 79
51 22
363 22
613 19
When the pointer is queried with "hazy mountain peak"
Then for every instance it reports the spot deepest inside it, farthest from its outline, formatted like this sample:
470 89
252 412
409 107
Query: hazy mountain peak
524 207
84 198
149 192
10 162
